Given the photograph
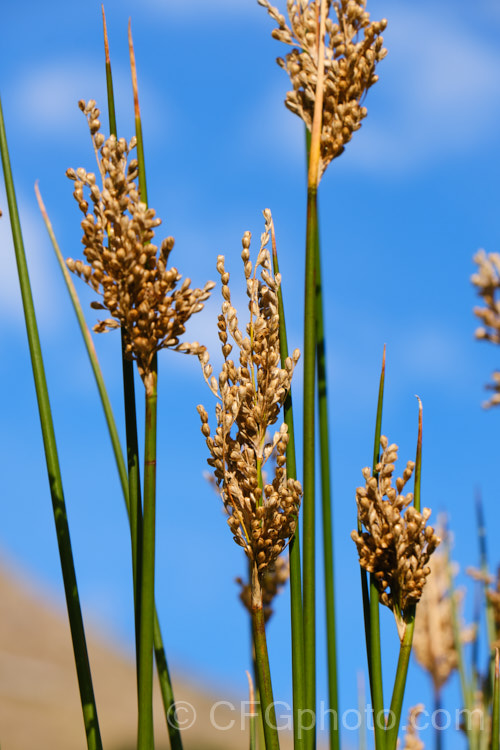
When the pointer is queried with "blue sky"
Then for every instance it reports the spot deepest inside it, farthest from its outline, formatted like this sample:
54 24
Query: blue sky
403 210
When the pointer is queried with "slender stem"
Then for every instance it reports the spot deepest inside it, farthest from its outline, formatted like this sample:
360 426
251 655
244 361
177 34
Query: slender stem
134 482
309 452
371 611
138 121
296 611
89 344
418 460
309 515
437 729
89 708
262 666
164 678
326 505
467 692
145 729
490 615
167 693
376 666
400 681
253 715
409 619
495 717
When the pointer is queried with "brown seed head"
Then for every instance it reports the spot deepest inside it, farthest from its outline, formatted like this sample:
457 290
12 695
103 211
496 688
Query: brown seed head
353 47
434 640
487 281
261 515
142 295
412 740
273 580
396 544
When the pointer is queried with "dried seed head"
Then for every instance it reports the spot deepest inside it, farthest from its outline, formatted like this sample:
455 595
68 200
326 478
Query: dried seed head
487 281
411 740
396 544
353 47
142 296
273 580
261 515
434 640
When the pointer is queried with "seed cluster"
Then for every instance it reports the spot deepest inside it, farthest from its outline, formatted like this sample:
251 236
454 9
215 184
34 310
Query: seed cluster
262 516
487 281
273 579
397 544
138 290
353 47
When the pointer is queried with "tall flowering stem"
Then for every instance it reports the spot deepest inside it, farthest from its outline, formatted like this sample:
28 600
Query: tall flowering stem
132 441
80 652
296 612
370 594
395 549
331 66
141 295
262 513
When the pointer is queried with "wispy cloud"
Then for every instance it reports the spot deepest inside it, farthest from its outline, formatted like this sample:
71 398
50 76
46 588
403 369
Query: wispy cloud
37 251
50 92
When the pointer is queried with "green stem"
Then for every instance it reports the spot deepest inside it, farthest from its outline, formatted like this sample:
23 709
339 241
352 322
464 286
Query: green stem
164 678
376 667
134 482
89 708
262 667
371 611
167 693
326 505
145 739
296 610
253 707
467 692
495 717
438 731
398 692
490 615
89 345
309 546
409 619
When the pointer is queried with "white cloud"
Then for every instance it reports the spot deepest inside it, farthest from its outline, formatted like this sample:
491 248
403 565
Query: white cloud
53 89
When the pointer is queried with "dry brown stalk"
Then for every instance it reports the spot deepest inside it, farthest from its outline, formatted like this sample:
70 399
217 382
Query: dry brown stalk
138 290
487 281
433 640
396 544
262 516
352 46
